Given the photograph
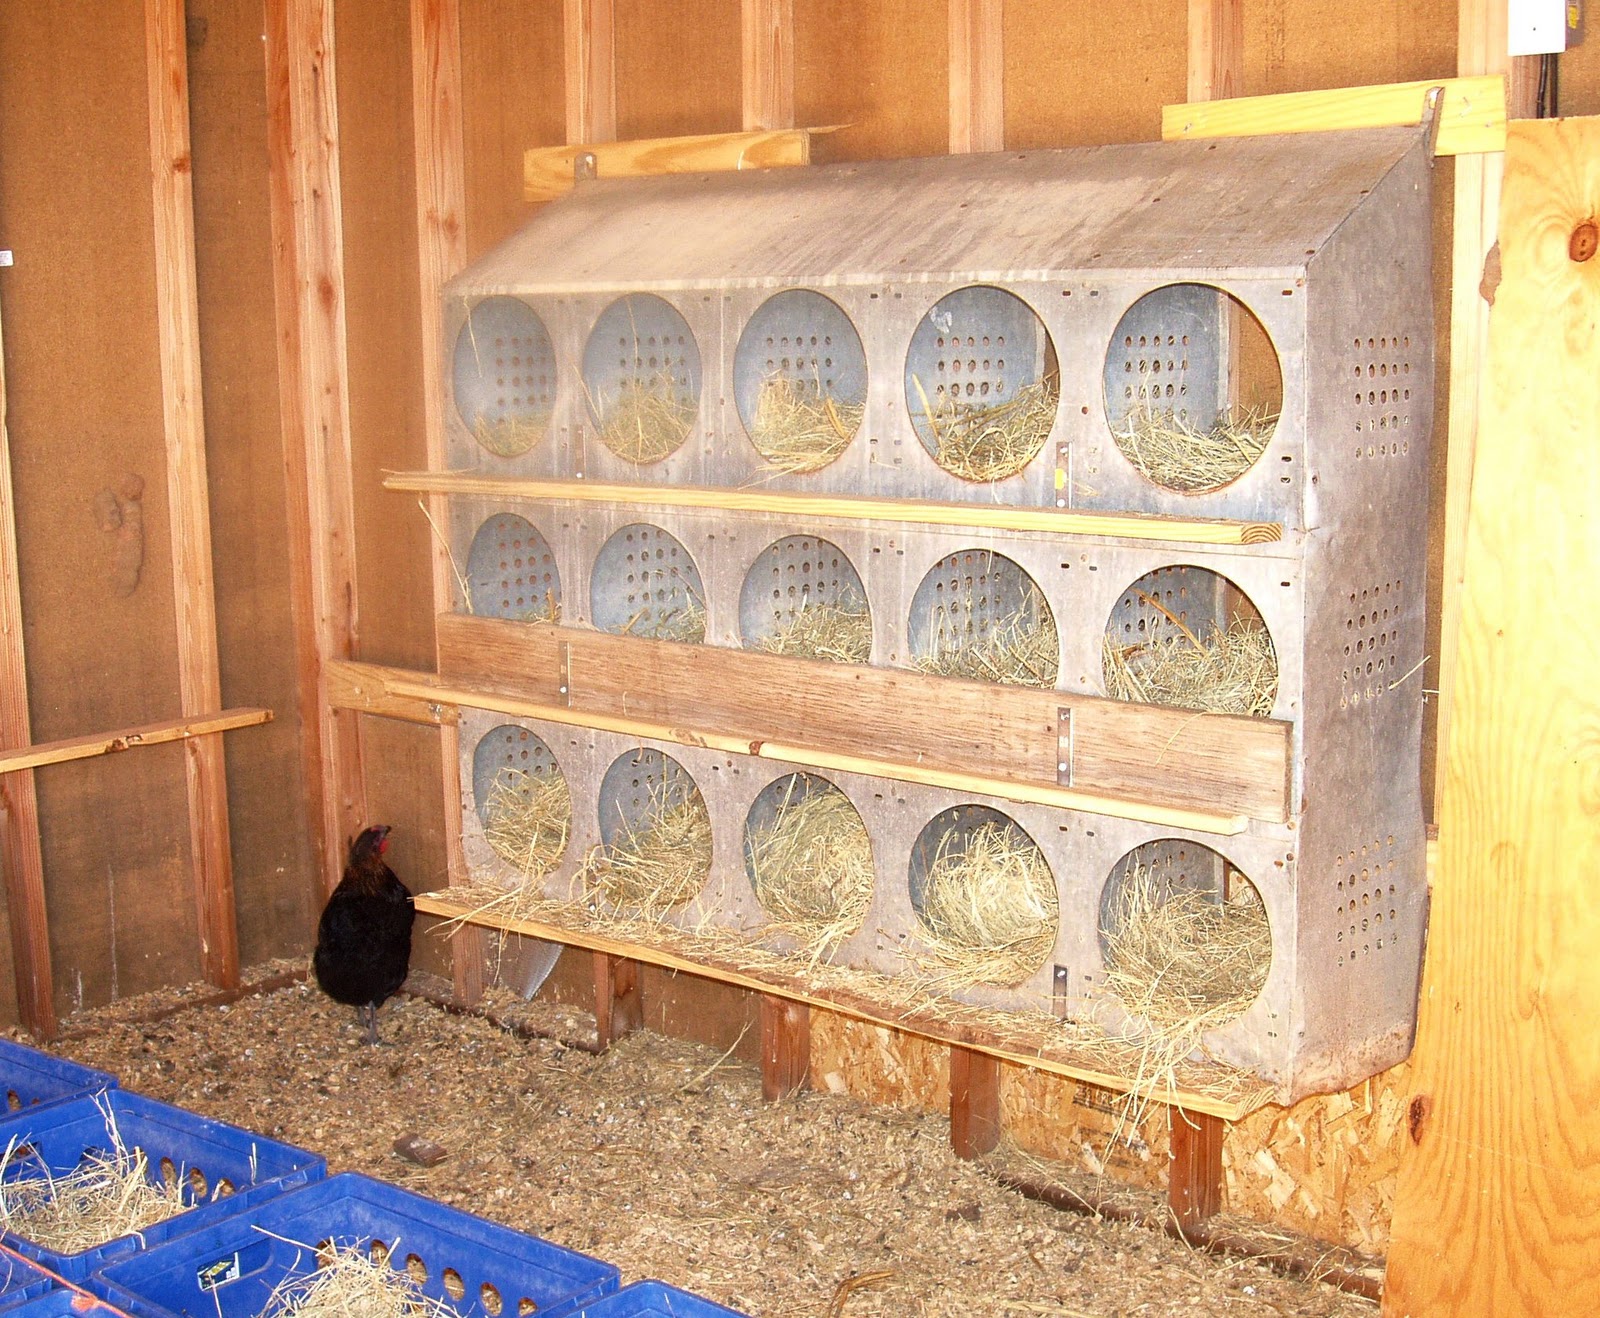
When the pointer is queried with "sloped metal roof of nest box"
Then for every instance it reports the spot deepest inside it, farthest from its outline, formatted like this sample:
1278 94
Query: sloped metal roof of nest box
1260 206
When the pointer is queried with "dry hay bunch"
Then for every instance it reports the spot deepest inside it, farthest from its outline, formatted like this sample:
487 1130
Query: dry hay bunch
510 436
686 622
989 905
105 1196
648 420
989 441
799 429
658 862
1020 649
528 818
1177 455
1228 672
545 609
1182 961
350 1283
811 868
840 631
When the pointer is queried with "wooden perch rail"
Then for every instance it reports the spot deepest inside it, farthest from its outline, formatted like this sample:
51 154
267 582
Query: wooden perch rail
110 743
984 516
547 172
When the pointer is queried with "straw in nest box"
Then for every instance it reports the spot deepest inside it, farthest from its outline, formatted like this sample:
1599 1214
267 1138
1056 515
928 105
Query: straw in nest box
109 1194
811 867
528 818
648 420
800 429
509 436
685 622
657 862
989 905
989 440
348 1283
1020 649
1232 671
839 631
1180 456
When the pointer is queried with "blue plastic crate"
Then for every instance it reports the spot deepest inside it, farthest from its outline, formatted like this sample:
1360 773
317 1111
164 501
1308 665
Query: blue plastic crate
63 1303
20 1279
28 1077
475 1267
655 1299
216 1165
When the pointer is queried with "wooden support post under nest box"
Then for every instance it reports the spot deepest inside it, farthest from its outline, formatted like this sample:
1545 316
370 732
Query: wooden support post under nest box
974 1102
785 1047
1194 1180
618 1000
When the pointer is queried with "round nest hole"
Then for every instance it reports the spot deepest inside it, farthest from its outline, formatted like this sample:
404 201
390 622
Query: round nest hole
803 597
985 896
1168 396
809 859
656 832
511 572
1184 936
504 376
645 583
1187 637
641 375
522 799
979 615
982 384
800 381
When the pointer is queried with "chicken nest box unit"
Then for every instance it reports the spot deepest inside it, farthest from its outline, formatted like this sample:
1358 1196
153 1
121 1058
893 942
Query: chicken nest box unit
1234 334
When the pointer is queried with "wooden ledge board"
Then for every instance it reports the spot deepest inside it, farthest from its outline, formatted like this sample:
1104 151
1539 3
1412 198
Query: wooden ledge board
109 743
419 697
1472 116
984 516
923 1024
548 171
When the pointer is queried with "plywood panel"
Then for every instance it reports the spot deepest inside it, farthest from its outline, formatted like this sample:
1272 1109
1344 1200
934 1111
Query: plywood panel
1302 45
512 99
880 68
1080 74
85 410
678 67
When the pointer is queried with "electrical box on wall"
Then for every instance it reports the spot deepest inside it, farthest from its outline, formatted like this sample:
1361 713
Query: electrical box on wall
1543 27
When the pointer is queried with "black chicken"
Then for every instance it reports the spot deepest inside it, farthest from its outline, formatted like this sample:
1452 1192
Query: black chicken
364 937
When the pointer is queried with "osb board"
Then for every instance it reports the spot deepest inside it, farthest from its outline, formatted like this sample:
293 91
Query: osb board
678 67
878 1065
1084 1127
1085 74
272 861
84 411
1303 45
879 68
382 314
512 98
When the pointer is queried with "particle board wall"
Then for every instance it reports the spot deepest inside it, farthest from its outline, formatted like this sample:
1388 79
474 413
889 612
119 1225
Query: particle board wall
677 67
85 411
272 858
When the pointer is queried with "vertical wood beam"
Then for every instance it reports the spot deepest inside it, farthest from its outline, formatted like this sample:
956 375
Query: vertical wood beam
308 279
767 34
591 69
618 1002
1216 49
440 170
193 589
1194 1178
785 1047
1498 1195
977 76
19 806
974 1102
1480 49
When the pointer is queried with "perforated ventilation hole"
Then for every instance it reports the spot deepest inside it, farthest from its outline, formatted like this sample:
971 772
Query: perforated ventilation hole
979 615
984 894
197 1183
1381 372
489 1297
416 1269
982 384
641 377
1182 933
1174 412
800 380
1187 637
645 583
1373 642
327 1252
169 1173
224 1188
803 597
522 798
13 1101
511 572
454 1287
808 856
525 1306
378 1251
1367 903
504 376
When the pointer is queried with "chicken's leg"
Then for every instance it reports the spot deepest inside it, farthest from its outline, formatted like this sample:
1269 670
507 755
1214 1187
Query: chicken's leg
369 1015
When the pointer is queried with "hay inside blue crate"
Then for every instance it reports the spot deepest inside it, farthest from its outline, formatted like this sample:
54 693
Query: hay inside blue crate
29 1077
212 1166
655 1299
473 1267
